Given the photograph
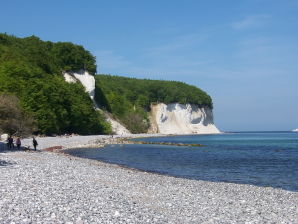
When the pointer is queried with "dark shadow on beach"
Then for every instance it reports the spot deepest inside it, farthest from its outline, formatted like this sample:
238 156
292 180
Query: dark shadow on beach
4 148
3 163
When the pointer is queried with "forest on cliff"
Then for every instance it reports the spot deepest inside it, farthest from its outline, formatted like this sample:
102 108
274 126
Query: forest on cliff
129 99
31 81
30 69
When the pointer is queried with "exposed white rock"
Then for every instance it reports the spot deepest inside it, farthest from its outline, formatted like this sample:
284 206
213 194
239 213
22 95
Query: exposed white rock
117 127
165 119
69 78
178 118
88 81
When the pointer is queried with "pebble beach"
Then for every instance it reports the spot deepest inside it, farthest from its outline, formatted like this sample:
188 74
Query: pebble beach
49 187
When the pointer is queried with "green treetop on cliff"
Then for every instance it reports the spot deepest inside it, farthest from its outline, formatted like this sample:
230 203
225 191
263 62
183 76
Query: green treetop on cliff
31 70
129 99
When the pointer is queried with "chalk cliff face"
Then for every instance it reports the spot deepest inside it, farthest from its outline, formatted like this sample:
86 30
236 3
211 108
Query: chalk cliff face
88 81
172 118
85 78
178 118
117 128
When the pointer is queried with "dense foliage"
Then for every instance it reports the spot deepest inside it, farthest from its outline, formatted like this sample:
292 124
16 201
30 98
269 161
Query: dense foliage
129 99
31 74
31 70
14 120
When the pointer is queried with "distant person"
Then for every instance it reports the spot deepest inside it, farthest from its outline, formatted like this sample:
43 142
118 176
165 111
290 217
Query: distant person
10 142
7 141
18 142
34 143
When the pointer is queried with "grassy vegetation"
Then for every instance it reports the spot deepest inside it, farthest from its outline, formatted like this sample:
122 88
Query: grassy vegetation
129 99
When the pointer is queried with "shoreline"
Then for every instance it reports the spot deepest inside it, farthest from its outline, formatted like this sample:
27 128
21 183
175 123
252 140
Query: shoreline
57 188
60 143
80 141
91 141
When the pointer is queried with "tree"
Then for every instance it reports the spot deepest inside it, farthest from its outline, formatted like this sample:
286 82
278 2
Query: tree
129 99
13 120
30 69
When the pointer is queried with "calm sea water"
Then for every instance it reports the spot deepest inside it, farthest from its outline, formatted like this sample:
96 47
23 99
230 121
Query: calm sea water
258 158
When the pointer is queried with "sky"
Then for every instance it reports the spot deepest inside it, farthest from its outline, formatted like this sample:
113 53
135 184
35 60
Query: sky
243 53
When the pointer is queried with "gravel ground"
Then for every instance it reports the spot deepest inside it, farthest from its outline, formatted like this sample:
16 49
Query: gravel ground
80 141
44 187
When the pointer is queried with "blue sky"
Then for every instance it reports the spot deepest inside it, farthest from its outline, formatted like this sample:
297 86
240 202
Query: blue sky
242 52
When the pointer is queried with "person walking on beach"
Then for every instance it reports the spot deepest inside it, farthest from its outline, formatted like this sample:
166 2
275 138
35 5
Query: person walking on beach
10 142
18 142
34 143
7 142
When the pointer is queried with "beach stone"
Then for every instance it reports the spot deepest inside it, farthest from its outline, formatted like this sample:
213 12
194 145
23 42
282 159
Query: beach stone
47 187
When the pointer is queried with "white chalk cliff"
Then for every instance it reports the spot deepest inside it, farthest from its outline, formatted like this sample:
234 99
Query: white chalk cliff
88 81
172 118
178 118
117 128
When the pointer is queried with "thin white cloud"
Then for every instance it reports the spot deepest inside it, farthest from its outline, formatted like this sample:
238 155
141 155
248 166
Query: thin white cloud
178 43
169 59
108 60
252 21
267 52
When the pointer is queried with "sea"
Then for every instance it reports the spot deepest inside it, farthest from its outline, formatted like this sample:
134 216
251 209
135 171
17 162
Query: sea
268 159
